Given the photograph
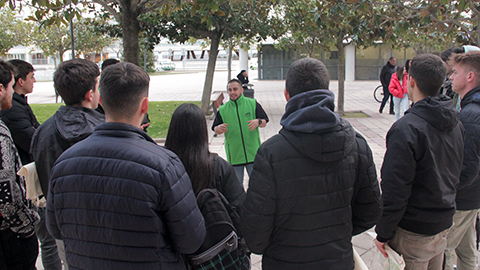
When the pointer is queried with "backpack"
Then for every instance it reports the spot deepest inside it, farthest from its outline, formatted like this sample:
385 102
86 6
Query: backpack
222 248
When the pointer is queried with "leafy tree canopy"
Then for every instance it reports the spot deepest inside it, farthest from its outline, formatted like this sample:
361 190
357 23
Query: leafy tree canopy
13 31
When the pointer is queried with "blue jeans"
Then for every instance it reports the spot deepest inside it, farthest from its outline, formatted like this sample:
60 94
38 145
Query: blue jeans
48 246
240 169
401 105
17 253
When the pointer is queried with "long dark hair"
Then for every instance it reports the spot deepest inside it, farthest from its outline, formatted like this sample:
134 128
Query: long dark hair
188 138
400 73
407 65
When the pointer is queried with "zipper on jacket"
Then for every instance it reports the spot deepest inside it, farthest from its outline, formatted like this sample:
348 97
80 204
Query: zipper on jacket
241 133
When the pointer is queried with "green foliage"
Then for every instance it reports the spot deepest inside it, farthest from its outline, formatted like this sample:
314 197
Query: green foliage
13 31
204 18
215 20
55 39
88 39
441 23
327 24
322 24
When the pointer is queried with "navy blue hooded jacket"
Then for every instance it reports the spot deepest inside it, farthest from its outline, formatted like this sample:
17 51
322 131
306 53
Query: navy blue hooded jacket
468 190
312 187
119 201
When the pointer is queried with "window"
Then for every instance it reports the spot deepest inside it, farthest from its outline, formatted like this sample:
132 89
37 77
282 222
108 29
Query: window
20 56
39 59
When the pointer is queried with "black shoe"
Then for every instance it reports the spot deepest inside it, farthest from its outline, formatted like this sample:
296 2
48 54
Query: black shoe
380 110
392 113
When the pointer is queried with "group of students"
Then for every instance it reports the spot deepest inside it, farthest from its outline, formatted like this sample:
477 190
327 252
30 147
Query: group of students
117 200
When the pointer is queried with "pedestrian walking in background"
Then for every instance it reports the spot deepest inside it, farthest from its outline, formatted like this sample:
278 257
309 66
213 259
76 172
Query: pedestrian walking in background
398 89
243 78
385 76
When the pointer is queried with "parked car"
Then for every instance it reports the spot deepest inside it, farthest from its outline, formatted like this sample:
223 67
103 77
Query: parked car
165 64
253 64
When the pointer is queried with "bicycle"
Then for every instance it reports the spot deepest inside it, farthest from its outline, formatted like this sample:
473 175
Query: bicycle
378 94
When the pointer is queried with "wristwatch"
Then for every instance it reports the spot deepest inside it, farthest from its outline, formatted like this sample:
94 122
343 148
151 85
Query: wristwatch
259 121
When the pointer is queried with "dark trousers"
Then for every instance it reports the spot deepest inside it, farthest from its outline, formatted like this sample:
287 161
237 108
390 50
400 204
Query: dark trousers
49 252
17 253
386 96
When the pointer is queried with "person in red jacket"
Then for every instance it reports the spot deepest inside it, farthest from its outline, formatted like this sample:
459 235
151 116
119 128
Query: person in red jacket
398 88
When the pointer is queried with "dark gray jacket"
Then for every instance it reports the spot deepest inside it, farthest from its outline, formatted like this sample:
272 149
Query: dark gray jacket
313 186
119 201
66 127
386 74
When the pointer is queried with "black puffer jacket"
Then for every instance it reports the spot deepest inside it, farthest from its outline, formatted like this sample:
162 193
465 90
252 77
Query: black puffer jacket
227 183
119 201
66 127
468 190
386 74
22 124
312 187
421 169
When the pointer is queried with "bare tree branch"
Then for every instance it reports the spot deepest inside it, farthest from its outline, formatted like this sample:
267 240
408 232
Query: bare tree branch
105 4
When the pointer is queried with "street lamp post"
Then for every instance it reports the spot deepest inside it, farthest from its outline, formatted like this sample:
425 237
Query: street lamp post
71 33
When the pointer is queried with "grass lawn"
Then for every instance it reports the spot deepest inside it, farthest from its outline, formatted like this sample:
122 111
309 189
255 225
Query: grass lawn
159 112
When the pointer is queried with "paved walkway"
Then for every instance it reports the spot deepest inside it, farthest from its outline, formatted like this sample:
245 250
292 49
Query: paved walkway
358 97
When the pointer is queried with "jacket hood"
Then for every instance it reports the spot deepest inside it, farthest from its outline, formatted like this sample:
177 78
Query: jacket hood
311 127
74 124
437 111
473 96
310 112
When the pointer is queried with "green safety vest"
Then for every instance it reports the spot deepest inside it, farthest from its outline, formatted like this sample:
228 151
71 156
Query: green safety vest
241 144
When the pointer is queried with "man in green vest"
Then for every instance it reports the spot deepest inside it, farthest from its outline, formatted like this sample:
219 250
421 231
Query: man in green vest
239 119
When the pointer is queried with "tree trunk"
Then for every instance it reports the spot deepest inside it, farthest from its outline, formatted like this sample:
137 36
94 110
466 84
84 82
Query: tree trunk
478 32
313 49
312 53
131 29
229 64
341 76
212 60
